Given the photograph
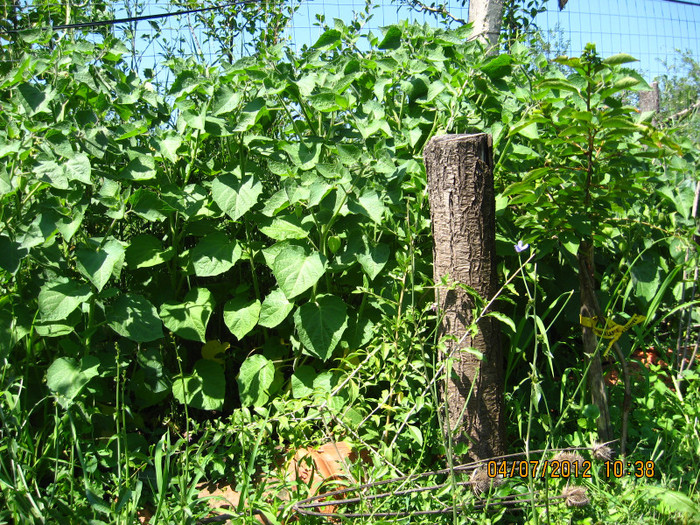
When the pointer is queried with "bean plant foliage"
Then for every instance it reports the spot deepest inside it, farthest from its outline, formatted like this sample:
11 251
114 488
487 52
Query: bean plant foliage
264 204
253 231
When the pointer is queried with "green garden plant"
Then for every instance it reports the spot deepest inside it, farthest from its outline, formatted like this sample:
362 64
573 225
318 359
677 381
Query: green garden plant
194 282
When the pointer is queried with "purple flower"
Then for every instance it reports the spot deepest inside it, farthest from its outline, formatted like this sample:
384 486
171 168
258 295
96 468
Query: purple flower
520 247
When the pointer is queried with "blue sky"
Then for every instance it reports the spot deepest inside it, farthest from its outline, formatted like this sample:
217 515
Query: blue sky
650 30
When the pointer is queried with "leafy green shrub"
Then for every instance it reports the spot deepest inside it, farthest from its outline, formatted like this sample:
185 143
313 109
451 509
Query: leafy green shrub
256 242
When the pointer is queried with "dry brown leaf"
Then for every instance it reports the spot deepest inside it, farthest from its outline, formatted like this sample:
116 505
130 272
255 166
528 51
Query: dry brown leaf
328 463
144 516
222 497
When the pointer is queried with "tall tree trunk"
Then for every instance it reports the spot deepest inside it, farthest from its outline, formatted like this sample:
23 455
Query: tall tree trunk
462 208
486 15
590 308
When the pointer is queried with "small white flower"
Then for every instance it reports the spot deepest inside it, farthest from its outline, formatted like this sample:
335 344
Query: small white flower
520 247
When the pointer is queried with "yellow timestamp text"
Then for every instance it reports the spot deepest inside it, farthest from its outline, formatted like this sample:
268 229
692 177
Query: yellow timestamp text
637 469
539 469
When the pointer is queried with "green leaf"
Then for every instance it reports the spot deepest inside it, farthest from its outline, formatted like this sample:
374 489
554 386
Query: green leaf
11 254
204 389
392 38
498 66
324 102
286 227
305 155
241 315
101 264
559 83
134 317
275 309
189 319
672 502
226 99
35 100
504 319
250 115
526 129
626 83
327 39
78 168
148 205
374 259
370 205
303 381
620 58
214 255
192 200
5 182
194 119
145 251
296 270
166 146
142 167
49 171
66 377
235 197
646 276
58 298
254 380
321 324
151 383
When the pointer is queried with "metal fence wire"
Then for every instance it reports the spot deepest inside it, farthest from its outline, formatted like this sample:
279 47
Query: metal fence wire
654 31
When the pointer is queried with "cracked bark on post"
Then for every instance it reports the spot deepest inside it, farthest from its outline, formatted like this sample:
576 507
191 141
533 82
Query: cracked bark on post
463 209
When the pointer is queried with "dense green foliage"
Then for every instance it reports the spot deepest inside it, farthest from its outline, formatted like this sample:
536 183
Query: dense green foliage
191 279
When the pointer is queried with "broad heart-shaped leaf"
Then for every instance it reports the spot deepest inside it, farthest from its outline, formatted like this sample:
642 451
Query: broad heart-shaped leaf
78 168
241 315
214 255
147 205
226 99
254 380
321 324
145 251
215 350
66 377
134 317
234 196
296 271
392 38
47 170
35 100
58 298
303 381
100 264
275 309
250 114
285 227
150 383
327 39
142 167
189 319
11 253
368 204
374 259
204 389
646 276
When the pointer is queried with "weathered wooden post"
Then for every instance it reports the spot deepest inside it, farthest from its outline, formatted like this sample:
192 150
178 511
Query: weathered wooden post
650 100
463 213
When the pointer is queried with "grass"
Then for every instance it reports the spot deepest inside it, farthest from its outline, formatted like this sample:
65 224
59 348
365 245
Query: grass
55 467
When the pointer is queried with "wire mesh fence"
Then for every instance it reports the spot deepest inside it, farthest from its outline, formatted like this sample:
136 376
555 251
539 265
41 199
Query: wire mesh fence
655 31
